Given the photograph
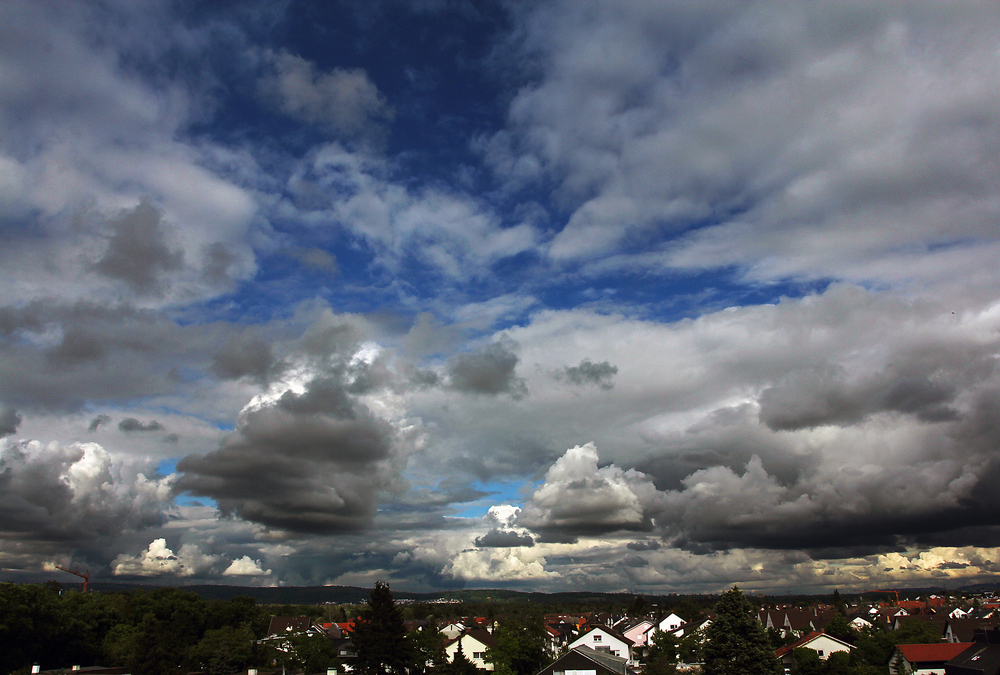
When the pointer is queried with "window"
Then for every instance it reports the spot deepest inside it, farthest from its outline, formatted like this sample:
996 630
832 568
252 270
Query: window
479 655
820 652
597 638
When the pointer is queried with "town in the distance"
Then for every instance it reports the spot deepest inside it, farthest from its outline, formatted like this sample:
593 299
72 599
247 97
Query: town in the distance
49 629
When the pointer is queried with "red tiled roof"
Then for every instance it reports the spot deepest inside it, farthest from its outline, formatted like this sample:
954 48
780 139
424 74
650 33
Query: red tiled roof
939 651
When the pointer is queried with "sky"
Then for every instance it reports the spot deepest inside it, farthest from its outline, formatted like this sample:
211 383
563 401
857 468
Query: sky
547 295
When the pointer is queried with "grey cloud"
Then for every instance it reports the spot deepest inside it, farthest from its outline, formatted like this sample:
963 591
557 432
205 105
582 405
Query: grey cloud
577 498
77 347
315 258
311 462
587 372
635 561
138 253
341 101
245 355
490 372
645 545
218 264
57 498
826 396
131 424
9 420
631 142
98 422
497 538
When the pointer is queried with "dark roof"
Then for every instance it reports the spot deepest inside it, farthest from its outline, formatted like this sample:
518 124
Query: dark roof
806 639
965 629
476 633
585 658
282 625
979 659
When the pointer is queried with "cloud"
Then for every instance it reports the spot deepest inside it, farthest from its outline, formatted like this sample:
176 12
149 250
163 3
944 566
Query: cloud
131 424
579 498
98 422
245 355
497 538
245 567
314 454
56 498
341 101
587 372
159 560
499 565
9 420
137 252
490 371
640 118
647 545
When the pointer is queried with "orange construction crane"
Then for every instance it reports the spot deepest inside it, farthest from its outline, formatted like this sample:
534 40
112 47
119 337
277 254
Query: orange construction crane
885 590
83 575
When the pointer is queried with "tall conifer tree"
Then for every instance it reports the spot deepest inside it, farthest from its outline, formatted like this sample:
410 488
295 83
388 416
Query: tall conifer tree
736 642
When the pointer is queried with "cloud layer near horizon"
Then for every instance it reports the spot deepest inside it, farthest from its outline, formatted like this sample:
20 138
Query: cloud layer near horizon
654 296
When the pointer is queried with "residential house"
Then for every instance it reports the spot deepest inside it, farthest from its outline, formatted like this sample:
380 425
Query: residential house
586 661
474 644
980 659
964 630
670 622
924 659
453 629
640 633
607 640
820 642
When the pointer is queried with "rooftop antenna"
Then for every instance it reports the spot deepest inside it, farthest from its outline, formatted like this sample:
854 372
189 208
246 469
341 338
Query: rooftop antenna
83 575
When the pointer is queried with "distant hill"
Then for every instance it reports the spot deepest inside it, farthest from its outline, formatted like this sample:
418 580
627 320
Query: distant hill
315 595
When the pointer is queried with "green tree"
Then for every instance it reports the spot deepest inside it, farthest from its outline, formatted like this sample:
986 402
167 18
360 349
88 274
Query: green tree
916 632
428 651
736 643
224 650
840 628
661 659
838 603
460 665
520 646
379 636
807 661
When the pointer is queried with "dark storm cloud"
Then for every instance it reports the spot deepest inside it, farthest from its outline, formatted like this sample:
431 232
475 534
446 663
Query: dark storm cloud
311 462
245 355
826 396
497 538
600 374
490 371
9 420
138 252
131 424
54 499
106 353
645 545
635 561
98 422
